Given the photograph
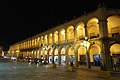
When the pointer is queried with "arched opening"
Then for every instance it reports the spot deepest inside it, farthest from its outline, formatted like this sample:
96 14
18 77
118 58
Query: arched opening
71 55
35 54
82 55
63 59
46 52
114 26
70 33
56 37
115 53
115 49
38 42
62 35
50 38
42 41
42 54
38 53
45 39
56 56
50 56
80 31
32 54
95 56
33 43
93 28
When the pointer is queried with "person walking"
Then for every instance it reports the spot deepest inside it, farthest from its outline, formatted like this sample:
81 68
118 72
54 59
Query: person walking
115 63
71 61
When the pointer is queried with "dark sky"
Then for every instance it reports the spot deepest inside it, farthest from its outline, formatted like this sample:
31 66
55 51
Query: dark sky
22 19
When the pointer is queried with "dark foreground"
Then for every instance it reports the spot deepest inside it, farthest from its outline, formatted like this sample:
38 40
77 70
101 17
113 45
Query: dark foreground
25 71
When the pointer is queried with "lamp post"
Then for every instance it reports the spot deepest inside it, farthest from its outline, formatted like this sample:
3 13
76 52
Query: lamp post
87 44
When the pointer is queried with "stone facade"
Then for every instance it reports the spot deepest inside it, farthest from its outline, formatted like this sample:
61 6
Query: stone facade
94 35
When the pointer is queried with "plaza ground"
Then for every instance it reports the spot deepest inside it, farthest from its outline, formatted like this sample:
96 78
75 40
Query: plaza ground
26 71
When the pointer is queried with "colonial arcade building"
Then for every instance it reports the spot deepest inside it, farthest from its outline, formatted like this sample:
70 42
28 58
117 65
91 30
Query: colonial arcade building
92 39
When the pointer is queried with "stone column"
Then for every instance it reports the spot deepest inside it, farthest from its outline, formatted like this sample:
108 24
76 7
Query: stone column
48 39
40 53
48 56
74 34
105 53
67 58
87 49
58 37
52 56
76 57
52 38
66 35
59 57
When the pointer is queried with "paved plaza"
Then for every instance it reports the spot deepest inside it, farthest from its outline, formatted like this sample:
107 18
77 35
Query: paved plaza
25 71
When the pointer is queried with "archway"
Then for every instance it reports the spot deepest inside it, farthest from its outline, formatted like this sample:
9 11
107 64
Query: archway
93 28
71 55
82 55
42 41
95 56
50 38
70 33
45 39
42 54
56 56
56 37
114 26
115 53
63 59
62 35
50 56
38 54
80 31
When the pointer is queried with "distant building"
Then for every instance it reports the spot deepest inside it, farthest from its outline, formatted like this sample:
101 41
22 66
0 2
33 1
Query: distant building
91 39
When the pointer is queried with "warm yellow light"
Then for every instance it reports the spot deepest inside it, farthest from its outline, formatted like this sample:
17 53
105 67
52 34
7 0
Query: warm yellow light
38 38
81 44
12 51
86 38
86 44
79 27
17 50
62 32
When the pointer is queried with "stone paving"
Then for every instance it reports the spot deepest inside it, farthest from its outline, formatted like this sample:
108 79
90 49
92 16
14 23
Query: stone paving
25 71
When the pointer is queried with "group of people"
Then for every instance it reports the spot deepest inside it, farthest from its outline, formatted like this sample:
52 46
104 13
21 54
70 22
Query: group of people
37 61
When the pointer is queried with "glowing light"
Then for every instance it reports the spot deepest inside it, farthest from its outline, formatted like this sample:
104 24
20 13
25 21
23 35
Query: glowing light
62 32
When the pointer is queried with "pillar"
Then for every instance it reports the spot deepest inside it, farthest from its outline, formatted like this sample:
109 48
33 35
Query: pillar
87 49
76 57
58 38
106 58
74 34
48 56
52 38
52 56
67 58
40 53
59 57
88 58
66 35
105 53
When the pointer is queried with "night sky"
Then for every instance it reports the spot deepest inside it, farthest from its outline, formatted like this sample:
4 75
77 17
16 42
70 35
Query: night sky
24 19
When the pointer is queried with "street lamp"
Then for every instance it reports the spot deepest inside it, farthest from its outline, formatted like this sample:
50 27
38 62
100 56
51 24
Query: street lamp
86 43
